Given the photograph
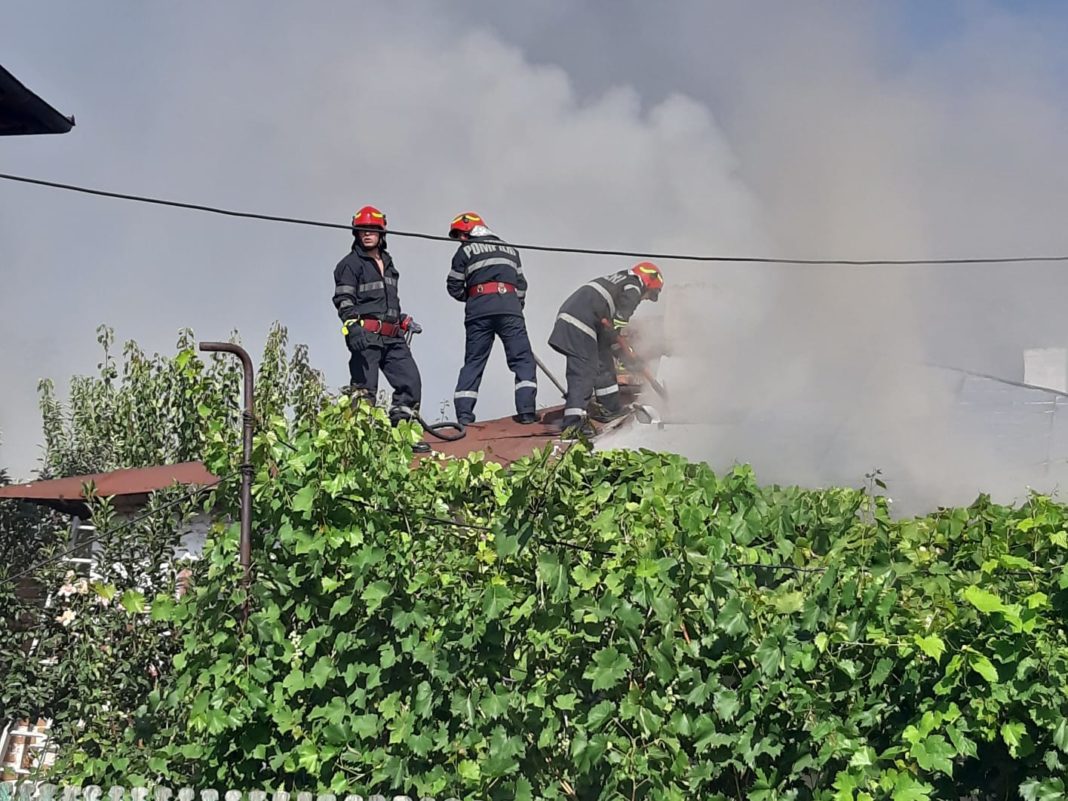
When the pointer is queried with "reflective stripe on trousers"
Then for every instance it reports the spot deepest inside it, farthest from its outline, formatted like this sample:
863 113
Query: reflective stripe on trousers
481 333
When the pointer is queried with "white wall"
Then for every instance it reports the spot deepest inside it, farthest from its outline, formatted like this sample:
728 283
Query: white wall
1046 367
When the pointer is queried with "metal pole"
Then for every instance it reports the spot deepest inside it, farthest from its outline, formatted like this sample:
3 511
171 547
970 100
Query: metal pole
246 465
642 368
550 376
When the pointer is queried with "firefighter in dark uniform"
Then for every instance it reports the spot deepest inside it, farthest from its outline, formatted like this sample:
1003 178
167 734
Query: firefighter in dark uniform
366 299
587 327
487 277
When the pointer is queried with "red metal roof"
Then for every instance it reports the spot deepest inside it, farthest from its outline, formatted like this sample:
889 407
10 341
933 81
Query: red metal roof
120 483
502 440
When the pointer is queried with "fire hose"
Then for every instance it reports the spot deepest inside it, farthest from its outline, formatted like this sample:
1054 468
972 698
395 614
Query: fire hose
436 429
629 356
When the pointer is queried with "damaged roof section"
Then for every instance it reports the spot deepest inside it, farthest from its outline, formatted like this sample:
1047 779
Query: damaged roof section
23 113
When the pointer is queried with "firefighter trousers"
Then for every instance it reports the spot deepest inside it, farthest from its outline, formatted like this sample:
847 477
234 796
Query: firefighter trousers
512 331
590 373
369 353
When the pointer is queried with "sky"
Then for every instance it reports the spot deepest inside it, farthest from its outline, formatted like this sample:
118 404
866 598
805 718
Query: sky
822 129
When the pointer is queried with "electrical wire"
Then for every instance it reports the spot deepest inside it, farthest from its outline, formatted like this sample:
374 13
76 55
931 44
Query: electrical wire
585 251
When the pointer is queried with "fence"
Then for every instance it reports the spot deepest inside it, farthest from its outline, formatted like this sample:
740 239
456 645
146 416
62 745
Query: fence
31 791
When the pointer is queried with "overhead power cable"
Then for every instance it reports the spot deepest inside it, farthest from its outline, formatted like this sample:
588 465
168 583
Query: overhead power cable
584 251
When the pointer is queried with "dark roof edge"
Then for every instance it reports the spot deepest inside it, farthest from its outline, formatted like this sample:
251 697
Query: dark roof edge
998 379
53 120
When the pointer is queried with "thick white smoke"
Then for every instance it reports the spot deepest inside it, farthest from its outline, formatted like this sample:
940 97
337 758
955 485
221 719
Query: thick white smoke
823 141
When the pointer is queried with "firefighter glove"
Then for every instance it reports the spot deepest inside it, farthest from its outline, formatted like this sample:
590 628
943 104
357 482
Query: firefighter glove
355 336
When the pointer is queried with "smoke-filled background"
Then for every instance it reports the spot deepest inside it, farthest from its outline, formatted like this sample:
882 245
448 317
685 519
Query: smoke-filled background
820 129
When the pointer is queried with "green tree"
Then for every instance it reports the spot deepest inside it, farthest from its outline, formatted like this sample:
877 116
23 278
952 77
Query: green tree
81 650
152 409
609 625
26 535
579 625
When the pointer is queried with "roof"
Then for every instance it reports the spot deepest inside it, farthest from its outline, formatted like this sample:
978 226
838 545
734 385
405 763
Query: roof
131 486
502 441
22 112
959 433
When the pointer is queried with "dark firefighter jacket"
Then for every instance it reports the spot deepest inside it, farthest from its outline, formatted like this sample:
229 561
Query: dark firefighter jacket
482 259
611 297
361 291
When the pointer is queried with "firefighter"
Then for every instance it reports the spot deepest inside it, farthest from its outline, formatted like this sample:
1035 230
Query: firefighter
487 277
588 325
365 295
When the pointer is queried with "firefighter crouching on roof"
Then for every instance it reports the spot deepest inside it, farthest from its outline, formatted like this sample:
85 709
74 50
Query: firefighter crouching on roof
586 328
365 295
487 277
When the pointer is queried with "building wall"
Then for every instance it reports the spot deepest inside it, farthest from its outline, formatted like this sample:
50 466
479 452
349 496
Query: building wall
194 536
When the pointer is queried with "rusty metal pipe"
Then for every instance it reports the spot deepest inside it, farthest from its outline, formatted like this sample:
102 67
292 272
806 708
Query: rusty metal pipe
246 465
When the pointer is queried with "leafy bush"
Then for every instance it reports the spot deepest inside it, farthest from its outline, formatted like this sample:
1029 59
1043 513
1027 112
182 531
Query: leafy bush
152 410
26 532
89 655
606 625
82 653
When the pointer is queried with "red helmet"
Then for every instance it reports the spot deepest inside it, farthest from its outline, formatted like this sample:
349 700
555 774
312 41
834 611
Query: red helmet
651 277
369 217
464 224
